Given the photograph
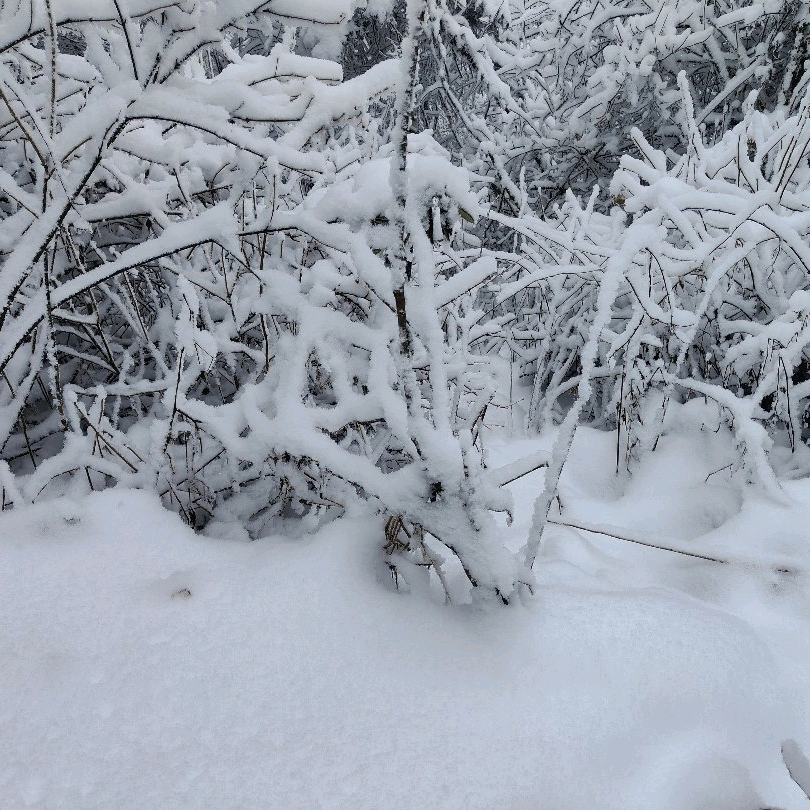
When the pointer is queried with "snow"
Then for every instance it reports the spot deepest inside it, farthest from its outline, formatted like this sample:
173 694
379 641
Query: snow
144 666
655 656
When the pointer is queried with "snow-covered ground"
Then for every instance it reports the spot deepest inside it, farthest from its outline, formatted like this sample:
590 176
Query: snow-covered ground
143 666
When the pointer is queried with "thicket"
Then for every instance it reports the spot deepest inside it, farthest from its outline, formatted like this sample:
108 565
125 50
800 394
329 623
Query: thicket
271 261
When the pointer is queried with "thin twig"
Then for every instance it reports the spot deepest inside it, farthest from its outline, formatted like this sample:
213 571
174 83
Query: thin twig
611 532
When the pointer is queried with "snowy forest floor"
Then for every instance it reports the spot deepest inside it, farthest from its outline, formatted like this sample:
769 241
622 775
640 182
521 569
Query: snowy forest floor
142 666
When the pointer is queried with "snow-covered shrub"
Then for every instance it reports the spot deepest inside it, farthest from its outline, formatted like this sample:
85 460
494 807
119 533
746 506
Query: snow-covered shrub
700 279
139 152
731 232
468 93
588 71
222 280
